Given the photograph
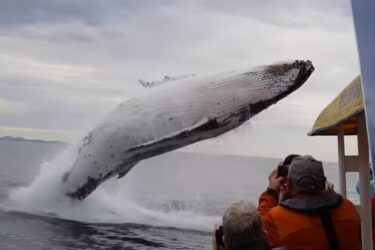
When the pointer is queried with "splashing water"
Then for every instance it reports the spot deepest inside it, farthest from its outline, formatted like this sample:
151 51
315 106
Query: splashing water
44 196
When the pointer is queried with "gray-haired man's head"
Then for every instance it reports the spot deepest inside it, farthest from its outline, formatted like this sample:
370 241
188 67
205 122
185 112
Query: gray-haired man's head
242 227
306 175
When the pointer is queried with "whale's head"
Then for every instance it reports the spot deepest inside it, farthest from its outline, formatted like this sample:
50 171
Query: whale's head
276 82
244 93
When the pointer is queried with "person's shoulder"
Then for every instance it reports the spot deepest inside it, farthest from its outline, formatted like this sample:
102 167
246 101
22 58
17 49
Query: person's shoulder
348 208
347 202
280 211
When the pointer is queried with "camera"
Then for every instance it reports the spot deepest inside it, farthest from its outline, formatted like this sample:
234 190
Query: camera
219 237
282 170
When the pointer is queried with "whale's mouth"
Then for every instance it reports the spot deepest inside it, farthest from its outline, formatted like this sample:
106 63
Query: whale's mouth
274 71
305 69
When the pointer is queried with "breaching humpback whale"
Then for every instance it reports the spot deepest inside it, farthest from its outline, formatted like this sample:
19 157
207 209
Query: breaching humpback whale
174 113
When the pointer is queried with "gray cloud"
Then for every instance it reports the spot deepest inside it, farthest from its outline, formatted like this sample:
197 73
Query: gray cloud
289 13
68 62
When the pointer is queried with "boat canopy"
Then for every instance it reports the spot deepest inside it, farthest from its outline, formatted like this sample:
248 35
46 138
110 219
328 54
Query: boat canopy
345 116
343 110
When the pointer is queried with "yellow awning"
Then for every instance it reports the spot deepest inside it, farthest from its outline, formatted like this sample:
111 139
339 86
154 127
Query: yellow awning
342 110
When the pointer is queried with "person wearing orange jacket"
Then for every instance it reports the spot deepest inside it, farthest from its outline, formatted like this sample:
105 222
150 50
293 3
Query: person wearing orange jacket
313 218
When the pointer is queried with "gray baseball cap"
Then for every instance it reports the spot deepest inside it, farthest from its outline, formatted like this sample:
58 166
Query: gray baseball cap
306 174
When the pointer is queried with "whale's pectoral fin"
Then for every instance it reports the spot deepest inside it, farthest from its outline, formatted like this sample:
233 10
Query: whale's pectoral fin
124 169
169 142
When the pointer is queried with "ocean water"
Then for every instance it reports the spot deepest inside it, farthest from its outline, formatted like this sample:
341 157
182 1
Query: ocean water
171 201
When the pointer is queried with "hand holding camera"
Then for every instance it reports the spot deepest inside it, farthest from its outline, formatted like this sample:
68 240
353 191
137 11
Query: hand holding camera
282 170
276 180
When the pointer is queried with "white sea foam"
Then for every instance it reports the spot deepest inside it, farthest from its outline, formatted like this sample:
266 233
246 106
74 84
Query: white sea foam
45 197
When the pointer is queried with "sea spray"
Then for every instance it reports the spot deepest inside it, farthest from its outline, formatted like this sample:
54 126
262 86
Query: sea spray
110 203
45 190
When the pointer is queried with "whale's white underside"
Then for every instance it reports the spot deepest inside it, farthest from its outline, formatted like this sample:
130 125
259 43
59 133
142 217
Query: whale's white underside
177 113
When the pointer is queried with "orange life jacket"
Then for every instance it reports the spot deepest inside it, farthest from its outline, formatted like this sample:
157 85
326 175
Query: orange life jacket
298 224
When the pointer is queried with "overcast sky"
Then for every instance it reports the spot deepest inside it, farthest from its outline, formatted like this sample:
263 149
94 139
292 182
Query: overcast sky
64 64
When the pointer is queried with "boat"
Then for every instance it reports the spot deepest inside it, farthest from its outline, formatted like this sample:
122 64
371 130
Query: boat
345 116
352 112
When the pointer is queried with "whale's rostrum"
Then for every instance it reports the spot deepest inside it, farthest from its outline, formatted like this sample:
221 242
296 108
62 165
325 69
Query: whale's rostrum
175 114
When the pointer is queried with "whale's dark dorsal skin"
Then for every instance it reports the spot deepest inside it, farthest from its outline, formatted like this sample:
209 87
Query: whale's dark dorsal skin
175 114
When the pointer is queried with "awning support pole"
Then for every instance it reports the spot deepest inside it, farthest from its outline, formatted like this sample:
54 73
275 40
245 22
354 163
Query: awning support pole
341 152
364 179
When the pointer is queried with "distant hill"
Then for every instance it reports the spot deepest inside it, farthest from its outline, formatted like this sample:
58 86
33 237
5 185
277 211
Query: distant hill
21 139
